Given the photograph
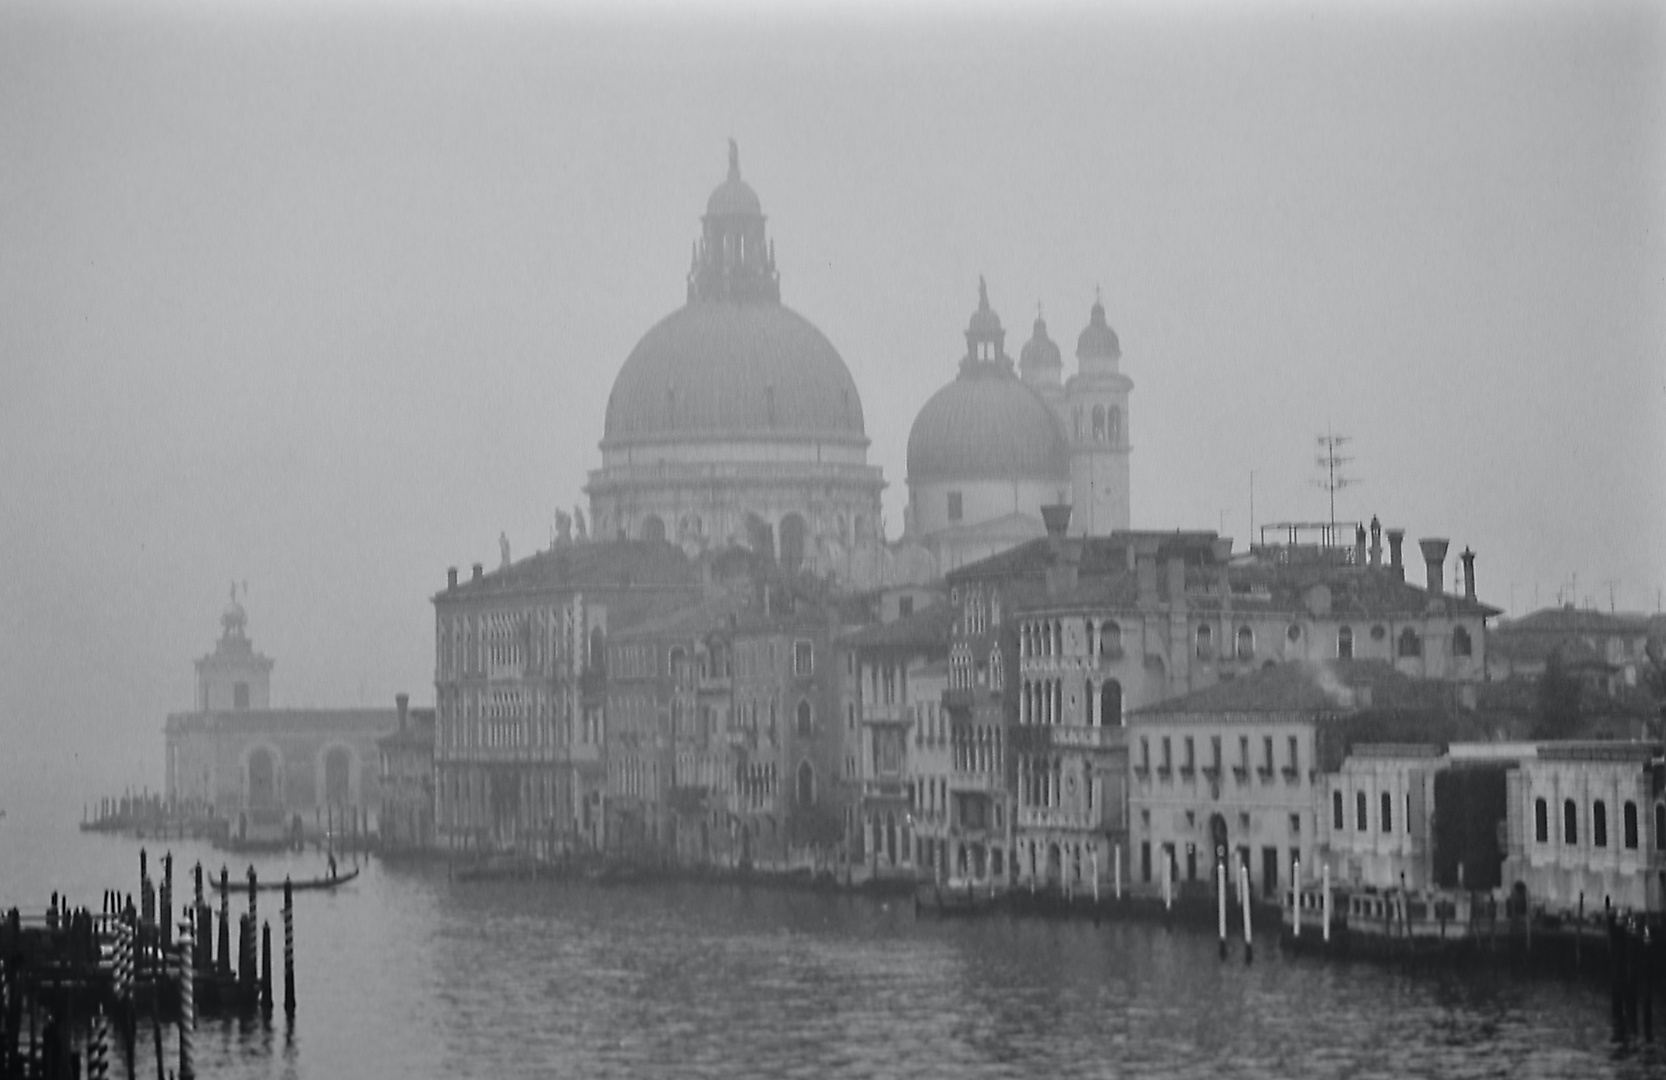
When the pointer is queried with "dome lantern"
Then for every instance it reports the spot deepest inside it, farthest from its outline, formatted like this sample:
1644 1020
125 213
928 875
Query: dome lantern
733 260
1039 362
985 339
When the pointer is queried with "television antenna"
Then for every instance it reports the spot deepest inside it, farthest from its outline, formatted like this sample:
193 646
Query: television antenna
1331 480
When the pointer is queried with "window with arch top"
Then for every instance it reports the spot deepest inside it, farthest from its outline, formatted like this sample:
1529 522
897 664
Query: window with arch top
1360 822
806 718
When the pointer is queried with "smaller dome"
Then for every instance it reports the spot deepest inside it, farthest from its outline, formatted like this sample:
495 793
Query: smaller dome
1039 351
1098 341
734 197
987 425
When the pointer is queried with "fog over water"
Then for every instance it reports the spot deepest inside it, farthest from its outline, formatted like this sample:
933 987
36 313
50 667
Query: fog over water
324 297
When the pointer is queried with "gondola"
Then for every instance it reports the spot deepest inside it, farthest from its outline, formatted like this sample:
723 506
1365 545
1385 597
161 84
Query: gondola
304 885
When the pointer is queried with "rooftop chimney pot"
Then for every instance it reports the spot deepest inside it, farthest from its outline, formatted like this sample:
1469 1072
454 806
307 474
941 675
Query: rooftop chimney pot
451 577
1396 537
1434 560
403 702
479 571
1469 573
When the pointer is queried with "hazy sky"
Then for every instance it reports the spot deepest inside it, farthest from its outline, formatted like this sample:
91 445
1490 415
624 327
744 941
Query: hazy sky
324 298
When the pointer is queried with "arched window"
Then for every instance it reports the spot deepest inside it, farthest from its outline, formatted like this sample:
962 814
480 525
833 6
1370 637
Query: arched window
1113 426
806 722
1388 813
1205 642
1570 822
1630 825
1541 821
806 785
1110 704
1360 824
1599 824
1410 643
1087 703
1110 640
1345 643
1246 643
1337 821
1461 644
653 529
1099 423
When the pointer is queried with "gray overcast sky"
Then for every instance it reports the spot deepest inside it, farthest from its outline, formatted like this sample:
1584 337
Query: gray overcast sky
325 297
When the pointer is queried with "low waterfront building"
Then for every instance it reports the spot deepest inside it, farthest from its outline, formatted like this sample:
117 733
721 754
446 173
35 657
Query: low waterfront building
271 774
1588 820
1381 809
407 774
1239 770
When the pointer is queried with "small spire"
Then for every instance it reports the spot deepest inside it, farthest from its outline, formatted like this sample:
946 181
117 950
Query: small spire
1040 315
983 294
734 159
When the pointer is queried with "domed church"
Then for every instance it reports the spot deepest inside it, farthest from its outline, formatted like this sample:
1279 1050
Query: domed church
734 420
995 445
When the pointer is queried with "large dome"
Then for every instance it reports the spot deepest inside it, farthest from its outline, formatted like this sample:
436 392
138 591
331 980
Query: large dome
716 369
986 425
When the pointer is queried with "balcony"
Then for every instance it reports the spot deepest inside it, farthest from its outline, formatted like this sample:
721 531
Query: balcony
1213 774
1089 738
1050 817
975 782
1266 774
1165 774
1187 772
892 714
1292 776
884 789
1240 774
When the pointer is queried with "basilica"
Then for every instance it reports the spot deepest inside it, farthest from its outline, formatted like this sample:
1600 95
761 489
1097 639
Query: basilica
734 421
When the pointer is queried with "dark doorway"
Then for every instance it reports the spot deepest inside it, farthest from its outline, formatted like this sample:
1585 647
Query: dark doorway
1269 871
263 781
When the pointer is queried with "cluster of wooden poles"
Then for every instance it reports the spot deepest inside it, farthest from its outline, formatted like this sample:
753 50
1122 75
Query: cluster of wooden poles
74 977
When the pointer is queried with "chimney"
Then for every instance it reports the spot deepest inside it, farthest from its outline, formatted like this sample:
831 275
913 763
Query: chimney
1434 559
403 701
1469 573
479 571
1359 545
1056 516
451 577
1395 538
1376 541
1062 573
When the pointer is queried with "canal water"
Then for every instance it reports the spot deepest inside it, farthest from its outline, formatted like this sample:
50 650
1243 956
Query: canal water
403 973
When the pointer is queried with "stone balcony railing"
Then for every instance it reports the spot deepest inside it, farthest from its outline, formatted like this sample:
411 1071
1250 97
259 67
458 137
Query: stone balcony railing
1089 738
1051 817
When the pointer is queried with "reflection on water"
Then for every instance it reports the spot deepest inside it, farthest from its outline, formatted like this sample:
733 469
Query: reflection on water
406 974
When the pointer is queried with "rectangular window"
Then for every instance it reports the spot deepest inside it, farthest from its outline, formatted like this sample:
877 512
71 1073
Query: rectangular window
1631 825
1295 755
1145 752
1267 751
1145 861
954 506
803 657
1167 759
1191 761
905 606
1295 824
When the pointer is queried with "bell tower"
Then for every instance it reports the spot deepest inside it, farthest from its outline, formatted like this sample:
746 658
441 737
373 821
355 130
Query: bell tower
1096 420
234 677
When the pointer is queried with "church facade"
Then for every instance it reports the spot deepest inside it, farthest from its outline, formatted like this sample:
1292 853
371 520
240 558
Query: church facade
735 421
996 444
271 774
